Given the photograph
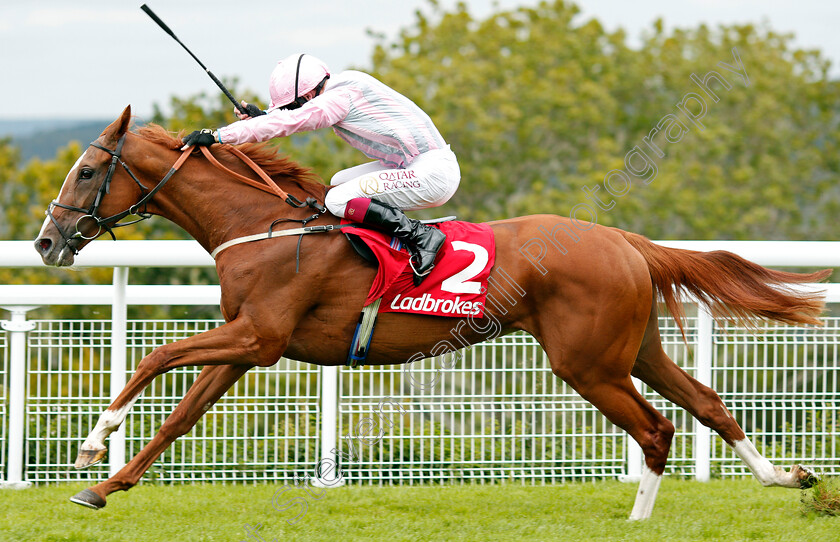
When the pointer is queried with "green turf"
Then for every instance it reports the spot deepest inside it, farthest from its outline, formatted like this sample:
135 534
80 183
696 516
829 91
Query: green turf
730 510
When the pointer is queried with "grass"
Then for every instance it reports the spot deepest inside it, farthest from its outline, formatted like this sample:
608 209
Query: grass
823 499
730 510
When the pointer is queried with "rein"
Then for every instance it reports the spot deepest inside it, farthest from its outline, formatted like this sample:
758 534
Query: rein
270 186
109 223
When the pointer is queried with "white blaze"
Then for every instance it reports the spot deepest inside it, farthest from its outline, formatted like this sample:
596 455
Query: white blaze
63 186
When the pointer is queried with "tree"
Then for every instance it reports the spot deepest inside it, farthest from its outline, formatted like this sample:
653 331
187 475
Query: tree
539 105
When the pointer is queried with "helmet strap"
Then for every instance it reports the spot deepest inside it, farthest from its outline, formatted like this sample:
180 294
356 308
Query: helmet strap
297 78
300 100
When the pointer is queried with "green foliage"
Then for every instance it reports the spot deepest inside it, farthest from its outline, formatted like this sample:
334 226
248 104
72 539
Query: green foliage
435 448
538 104
201 110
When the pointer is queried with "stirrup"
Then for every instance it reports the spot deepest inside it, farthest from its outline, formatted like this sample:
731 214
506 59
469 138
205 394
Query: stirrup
439 219
416 273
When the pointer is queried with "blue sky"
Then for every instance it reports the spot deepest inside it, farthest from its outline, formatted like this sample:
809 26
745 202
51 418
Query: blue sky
90 59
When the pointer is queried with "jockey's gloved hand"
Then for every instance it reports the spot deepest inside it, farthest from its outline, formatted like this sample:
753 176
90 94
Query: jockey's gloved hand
201 138
251 111
254 111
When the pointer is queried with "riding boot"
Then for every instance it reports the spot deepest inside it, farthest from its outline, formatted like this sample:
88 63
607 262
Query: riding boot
423 242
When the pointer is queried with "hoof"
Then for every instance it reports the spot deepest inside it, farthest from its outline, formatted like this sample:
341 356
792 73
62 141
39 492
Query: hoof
807 477
87 458
88 498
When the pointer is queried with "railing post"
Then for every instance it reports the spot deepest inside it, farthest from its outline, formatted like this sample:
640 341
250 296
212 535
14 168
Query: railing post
329 429
17 328
703 372
119 326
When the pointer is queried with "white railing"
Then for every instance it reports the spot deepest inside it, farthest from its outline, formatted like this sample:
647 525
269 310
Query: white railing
500 413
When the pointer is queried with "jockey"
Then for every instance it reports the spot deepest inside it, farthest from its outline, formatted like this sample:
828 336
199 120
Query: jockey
415 168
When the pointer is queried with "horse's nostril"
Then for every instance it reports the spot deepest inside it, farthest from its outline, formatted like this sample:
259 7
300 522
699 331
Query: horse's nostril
45 244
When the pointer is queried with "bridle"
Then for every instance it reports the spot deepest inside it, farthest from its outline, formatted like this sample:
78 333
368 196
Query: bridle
139 209
109 223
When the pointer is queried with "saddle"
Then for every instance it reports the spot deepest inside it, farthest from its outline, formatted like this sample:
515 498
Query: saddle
456 287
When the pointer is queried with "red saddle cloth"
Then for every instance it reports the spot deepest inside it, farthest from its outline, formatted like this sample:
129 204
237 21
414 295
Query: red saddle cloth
456 286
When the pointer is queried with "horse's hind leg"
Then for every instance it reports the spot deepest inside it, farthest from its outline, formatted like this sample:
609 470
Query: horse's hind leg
208 387
656 369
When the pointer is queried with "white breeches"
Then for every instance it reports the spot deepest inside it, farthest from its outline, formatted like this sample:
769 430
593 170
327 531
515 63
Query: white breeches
429 181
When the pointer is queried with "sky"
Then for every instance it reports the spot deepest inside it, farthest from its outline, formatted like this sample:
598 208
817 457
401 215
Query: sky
70 59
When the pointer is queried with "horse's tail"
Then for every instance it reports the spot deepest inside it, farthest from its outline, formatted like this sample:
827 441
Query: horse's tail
730 286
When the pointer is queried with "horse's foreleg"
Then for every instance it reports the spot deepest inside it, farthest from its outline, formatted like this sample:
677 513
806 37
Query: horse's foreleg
623 405
656 369
207 388
233 343
93 449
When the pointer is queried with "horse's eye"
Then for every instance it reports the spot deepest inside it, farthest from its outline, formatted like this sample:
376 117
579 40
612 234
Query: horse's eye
85 174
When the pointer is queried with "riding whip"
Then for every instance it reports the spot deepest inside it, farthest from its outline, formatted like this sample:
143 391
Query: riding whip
166 29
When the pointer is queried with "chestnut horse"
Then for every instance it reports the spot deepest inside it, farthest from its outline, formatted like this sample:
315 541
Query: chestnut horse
587 293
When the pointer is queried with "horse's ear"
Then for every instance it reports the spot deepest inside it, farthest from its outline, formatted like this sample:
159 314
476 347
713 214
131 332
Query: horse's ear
116 129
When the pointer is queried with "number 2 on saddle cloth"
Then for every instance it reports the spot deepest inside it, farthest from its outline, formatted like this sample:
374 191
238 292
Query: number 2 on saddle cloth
456 287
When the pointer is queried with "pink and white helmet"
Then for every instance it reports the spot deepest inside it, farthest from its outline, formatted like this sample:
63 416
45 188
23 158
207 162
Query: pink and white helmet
293 77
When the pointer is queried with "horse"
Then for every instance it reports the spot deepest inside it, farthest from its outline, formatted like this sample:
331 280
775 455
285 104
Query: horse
587 293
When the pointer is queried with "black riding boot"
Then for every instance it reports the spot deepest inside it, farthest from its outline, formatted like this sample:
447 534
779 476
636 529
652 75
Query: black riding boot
423 242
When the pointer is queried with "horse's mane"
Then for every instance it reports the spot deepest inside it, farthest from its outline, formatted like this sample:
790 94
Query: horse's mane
263 154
